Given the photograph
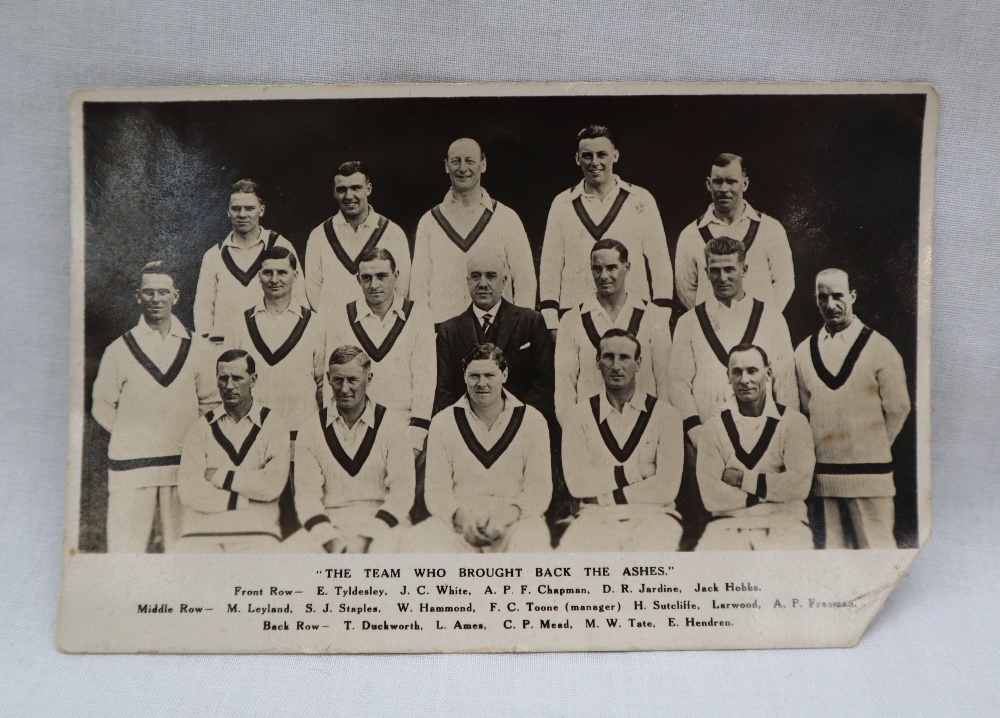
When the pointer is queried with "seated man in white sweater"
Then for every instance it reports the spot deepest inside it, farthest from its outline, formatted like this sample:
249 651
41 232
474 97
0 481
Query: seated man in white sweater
233 468
354 472
623 451
489 469
852 385
755 464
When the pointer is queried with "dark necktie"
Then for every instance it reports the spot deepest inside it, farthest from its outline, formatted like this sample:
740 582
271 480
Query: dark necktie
487 318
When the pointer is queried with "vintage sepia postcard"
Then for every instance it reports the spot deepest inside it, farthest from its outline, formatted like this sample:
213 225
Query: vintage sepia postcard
511 367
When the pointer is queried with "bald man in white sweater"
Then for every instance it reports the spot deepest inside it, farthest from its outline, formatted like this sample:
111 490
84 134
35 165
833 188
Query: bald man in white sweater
489 469
853 388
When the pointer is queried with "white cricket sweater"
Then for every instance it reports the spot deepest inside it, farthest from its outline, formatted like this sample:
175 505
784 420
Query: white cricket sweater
850 414
631 217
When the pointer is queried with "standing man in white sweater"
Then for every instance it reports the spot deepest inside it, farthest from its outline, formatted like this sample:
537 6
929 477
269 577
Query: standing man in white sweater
152 384
601 205
489 469
853 389
468 221
755 464
770 275
227 282
334 247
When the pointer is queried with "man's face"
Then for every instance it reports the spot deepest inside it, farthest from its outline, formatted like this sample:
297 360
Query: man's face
351 193
276 277
156 296
727 185
349 383
596 157
377 280
617 363
245 211
835 299
235 382
484 381
465 164
609 271
725 272
748 376
487 279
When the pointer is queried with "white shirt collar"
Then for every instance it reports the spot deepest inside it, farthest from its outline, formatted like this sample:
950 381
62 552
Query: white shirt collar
637 403
230 242
371 221
176 328
590 304
367 416
365 311
511 402
485 200
220 415
848 336
492 311
734 306
710 218
581 188
295 307
770 408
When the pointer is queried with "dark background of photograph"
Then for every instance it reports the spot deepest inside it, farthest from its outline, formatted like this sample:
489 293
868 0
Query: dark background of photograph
842 174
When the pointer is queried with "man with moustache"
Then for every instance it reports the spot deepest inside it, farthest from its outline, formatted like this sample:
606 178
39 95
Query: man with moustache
623 452
467 222
287 338
578 377
334 247
354 478
852 385
233 468
601 205
227 282
489 476
770 275
518 331
150 386
755 464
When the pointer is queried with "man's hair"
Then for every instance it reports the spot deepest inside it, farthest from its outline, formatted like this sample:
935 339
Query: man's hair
485 351
482 152
608 243
727 158
619 332
279 253
351 167
748 347
347 353
234 354
375 253
835 270
157 267
721 246
247 186
592 132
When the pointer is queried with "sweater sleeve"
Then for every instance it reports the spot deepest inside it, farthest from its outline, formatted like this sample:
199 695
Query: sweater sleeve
892 390
664 454
661 344
686 268
439 487
567 366
420 270
654 247
401 478
536 491
204 295
266 481
424 370
681 373
717 495
589 475
309 486
804 394
522 265
193 489
107 389
786 389
779 259
799 457
551 268
314 268
399 245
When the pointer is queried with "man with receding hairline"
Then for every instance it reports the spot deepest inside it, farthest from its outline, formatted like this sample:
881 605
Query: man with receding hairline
601 205
468 221
770 274
852 385
334 247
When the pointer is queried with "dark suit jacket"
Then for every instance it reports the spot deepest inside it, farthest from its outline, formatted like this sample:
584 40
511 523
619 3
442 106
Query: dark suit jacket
526 343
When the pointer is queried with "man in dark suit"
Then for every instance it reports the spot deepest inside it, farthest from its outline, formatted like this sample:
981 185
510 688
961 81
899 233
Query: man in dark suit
518 331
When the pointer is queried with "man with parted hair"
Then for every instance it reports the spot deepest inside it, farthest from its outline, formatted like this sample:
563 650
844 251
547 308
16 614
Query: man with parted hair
227 282
623 452
468 221
612 306
397 336
354 479
334 247
233 468
852 385
152 383
287 338
755 464
601 205
489 473
770 274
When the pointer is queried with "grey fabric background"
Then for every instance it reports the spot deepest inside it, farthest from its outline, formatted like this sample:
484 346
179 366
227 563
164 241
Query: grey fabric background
931 652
